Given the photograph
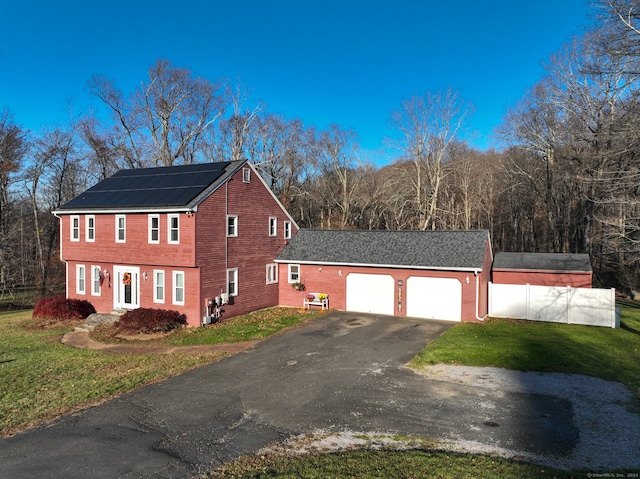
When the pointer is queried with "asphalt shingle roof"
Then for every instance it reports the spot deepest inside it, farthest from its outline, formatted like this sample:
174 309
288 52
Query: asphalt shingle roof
171 186
542 261
417 249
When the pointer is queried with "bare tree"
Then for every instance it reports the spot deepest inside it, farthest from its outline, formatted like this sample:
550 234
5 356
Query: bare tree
284 152
102 156
13 146
163 122
56 174
540 127
339 177
238 129
430 124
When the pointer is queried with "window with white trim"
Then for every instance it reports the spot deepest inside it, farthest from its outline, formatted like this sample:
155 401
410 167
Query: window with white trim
75 228
90 225
80 279
96 276
158 286
272 273
232 281
246 175
232 226
178 287
294 273
154 229
273 226
287 230
121 229
174 229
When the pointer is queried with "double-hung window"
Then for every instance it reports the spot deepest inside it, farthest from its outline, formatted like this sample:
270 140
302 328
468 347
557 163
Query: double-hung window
246 175
90 224
158 286
273 226
96 276
75 228
154 229
294 273
232 226
232 281
174 229
80 279
178 287
272 273
287 230
121 229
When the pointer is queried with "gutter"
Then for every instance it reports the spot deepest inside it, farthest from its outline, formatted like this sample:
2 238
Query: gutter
123 211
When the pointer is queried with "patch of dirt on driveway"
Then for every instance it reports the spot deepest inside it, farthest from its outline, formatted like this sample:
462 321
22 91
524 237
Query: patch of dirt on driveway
603 412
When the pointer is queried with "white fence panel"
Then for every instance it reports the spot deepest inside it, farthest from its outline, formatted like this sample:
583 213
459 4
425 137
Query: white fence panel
508 300
547 303
590 306
595 307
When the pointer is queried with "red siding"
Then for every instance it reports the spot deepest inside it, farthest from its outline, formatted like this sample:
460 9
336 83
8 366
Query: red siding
136 249
104 302
544 278
250 252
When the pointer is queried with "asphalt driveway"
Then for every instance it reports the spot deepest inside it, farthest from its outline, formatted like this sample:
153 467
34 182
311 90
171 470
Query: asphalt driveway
341 372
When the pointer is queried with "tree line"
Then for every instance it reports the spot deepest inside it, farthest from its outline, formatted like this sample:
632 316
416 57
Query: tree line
566 179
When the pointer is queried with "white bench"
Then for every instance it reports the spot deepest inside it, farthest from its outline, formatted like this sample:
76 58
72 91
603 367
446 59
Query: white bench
313 299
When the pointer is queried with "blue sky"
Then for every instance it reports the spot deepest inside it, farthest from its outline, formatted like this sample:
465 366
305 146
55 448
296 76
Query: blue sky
349 62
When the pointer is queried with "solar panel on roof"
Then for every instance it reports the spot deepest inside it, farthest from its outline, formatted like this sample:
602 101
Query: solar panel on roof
151 187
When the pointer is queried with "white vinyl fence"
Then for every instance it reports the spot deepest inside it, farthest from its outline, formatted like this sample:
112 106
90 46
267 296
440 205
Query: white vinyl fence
595 307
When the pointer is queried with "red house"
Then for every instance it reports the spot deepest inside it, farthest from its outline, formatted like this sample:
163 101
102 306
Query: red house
175 238
423 274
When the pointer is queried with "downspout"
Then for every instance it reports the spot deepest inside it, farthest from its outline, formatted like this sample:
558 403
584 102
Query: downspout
66 265
475 273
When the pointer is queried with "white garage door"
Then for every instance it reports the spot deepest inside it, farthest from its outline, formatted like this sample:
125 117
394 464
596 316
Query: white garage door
434 298
370 293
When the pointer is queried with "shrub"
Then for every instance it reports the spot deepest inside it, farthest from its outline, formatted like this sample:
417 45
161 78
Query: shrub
60 308
148 320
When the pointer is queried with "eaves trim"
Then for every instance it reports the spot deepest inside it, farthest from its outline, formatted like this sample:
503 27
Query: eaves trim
181 209
544 271
368 265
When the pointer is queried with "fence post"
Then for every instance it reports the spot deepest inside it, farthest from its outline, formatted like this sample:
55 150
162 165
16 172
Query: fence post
614 315
528 293
568 304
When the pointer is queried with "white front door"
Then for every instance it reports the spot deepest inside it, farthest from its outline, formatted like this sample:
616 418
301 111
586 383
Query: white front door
126 288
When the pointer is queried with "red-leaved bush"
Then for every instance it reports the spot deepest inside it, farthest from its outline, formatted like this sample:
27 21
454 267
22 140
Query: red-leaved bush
148 320
61 308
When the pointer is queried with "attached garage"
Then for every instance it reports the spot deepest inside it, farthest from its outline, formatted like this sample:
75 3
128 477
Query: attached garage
370 293
431 274
434 298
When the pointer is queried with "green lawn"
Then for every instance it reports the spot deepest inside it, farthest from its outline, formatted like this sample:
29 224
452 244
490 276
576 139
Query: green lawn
388 464
40 378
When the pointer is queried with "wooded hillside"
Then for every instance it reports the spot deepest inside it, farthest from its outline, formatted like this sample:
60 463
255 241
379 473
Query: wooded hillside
564 179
